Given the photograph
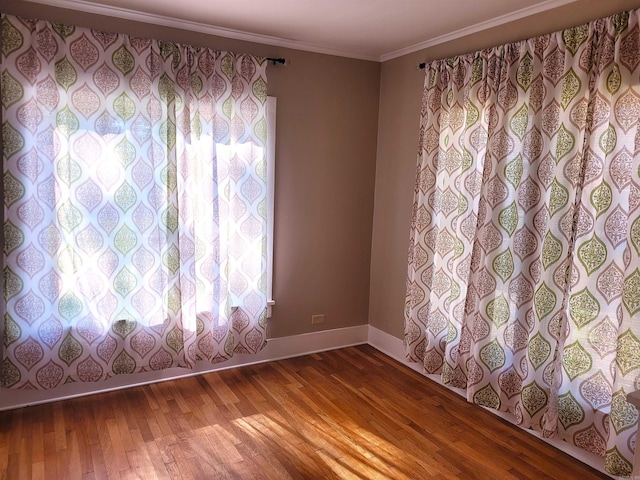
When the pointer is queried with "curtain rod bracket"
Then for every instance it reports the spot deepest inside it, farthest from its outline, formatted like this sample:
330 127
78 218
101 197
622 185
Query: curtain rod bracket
281 61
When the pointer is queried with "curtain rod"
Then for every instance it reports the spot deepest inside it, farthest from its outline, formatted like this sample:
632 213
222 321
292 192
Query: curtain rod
421 66
282 61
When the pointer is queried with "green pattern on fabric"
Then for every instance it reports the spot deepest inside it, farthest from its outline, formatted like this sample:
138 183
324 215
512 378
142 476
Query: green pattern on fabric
134 194
547 250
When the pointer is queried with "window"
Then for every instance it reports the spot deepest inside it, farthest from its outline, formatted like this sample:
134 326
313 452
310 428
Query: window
137 200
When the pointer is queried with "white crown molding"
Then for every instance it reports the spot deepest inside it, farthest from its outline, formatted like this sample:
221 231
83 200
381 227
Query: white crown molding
162 20
135 15
478 27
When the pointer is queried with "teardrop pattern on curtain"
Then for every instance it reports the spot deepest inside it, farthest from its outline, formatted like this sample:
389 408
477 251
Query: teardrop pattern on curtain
523 283
134 204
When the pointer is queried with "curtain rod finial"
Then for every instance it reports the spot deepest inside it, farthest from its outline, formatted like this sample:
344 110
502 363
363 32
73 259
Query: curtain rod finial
281 61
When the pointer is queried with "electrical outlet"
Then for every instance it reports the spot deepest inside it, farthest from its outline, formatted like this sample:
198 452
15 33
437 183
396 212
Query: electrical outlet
316 319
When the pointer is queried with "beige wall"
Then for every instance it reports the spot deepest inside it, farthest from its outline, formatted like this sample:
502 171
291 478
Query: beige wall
398 125
336 251
325 148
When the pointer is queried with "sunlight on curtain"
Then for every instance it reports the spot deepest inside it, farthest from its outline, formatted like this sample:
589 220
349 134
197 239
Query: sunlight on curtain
524 284
134 204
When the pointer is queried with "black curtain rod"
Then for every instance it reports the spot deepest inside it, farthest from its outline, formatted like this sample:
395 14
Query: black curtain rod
421 66
282 61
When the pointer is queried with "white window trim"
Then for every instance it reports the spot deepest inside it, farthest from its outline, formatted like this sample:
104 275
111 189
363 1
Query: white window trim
271 179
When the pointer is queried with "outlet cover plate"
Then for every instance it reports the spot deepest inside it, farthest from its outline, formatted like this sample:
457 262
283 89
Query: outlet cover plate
316 319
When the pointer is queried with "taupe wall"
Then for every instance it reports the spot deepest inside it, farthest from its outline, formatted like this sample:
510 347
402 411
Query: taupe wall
336 251
398 125
326 151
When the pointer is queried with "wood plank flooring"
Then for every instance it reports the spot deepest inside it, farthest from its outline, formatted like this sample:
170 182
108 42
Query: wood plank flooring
349 413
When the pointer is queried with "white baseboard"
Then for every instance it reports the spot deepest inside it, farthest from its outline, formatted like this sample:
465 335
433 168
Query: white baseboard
392 346
276 349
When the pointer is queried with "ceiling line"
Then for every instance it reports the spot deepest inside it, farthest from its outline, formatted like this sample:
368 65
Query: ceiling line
478 27
162 20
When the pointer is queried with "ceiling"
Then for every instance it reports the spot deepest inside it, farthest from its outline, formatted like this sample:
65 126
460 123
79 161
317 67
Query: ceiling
368 29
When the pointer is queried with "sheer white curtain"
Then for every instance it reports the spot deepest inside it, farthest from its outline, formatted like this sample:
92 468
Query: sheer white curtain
134 204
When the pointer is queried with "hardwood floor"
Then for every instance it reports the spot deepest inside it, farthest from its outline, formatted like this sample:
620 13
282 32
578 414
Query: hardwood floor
350 413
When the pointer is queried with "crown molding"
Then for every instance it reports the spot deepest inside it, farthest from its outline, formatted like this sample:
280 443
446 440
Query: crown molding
478 27
162 20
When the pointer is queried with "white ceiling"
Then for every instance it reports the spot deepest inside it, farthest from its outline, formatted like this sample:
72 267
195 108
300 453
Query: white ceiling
367 29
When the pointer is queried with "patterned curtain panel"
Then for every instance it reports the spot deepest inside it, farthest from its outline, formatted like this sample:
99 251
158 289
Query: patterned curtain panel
524 269
134 204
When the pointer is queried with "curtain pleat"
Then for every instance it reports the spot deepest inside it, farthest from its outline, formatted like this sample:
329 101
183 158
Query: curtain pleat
523 284
134 204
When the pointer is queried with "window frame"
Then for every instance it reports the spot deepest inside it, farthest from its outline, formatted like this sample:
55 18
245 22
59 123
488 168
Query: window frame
271 178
